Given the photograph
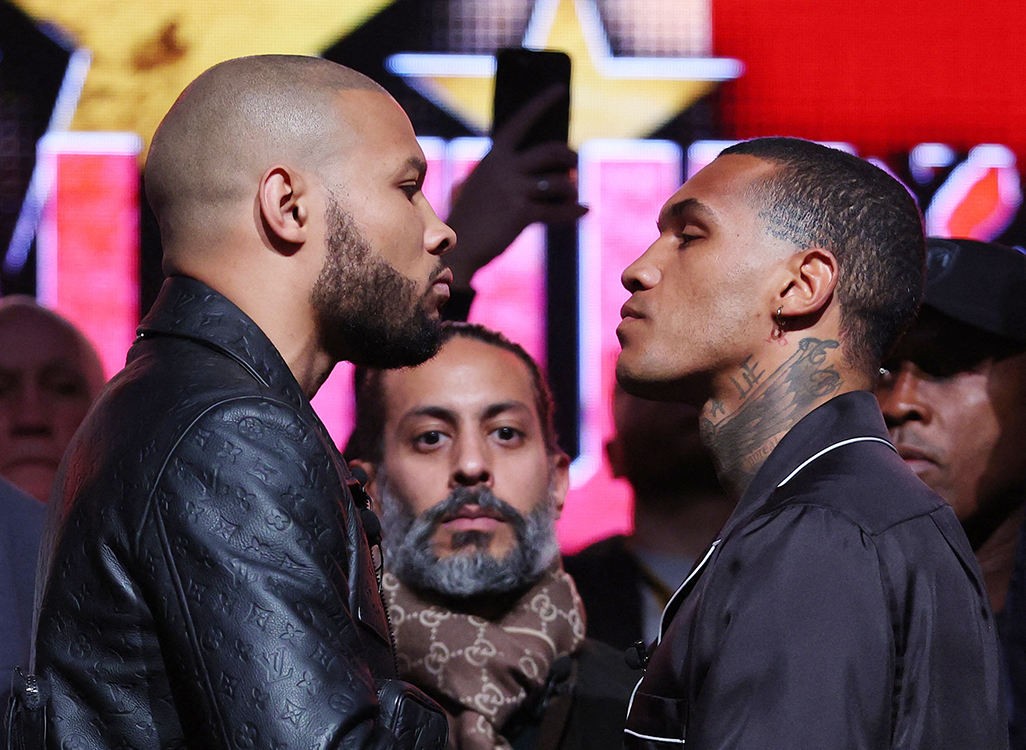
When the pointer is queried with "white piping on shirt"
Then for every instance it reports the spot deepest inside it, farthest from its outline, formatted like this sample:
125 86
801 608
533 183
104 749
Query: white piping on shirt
692 574
849 441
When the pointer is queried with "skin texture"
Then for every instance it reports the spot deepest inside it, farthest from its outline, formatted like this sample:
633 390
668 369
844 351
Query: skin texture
49 376
701 324
378 182
466 418
251 211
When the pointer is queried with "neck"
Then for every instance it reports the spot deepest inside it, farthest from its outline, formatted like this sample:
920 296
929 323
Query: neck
996 556
756 404
683 527
274 291
284 315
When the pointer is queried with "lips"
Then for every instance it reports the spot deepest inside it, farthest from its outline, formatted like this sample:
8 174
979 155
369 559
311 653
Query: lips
918 459
440 284
472 511
628 311
472 518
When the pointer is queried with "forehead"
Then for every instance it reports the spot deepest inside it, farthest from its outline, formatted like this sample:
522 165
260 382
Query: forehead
373 124
30 337
466 376
723 189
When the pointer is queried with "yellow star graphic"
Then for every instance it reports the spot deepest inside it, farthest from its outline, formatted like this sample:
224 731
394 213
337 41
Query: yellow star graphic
610 97
145 53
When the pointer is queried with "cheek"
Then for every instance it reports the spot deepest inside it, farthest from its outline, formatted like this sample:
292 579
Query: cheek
972 441
422 482
399 237
522 480
67 417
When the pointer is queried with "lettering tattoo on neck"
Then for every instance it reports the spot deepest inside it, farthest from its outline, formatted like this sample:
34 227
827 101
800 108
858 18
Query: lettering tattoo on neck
770 406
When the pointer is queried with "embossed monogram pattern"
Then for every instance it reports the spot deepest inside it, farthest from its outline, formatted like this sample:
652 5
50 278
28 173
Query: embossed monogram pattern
210 584
483 670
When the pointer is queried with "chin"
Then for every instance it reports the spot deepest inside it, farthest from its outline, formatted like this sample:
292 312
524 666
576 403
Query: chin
691 389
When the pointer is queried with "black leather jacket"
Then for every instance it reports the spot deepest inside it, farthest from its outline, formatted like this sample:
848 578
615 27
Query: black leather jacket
210 584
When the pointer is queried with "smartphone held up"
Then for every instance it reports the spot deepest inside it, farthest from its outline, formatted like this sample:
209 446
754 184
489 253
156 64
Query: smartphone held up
521 75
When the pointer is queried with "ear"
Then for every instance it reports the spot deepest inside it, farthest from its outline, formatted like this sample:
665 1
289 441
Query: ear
371 470
560 480
283 199
811 281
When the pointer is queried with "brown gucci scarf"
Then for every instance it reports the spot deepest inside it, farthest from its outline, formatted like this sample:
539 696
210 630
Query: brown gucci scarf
486 667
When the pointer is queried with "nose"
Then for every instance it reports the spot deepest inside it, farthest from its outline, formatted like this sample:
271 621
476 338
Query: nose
472 465
439 237
31 412
901 397
641 274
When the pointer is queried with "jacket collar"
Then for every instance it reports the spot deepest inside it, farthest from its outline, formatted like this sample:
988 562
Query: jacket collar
187 308
847 417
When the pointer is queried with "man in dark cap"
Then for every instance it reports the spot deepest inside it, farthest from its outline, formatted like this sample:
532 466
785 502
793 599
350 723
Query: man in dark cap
954 397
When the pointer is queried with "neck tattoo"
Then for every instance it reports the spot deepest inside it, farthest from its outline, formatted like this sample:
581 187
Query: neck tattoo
770 404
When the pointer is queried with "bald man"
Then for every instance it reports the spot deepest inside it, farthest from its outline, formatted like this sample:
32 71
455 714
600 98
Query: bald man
210 582
49 375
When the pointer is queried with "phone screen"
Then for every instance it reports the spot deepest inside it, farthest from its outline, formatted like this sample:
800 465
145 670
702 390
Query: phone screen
520 75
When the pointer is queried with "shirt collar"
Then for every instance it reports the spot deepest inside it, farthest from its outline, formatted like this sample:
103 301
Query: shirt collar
845 417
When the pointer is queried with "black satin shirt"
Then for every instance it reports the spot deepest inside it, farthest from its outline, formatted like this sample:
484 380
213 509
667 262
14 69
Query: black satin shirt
841 607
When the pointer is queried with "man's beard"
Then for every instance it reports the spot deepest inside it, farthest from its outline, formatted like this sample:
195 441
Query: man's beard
369 313
409 553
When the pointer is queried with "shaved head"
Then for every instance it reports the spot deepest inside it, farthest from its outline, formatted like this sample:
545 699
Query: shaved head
232 123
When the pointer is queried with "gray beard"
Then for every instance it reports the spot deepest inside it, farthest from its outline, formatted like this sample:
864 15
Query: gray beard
470 571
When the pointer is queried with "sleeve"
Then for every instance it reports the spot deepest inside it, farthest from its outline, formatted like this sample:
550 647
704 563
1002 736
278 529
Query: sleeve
804 657
249 588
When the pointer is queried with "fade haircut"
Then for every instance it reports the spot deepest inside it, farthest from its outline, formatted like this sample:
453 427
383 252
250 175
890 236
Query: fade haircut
823 197
367 441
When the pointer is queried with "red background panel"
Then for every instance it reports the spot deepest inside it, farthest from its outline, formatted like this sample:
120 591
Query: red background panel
881 74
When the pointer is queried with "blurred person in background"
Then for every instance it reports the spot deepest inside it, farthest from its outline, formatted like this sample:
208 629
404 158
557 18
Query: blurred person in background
679 506
953 394
49 376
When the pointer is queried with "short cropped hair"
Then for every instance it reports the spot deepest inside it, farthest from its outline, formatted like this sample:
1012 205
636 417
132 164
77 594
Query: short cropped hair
823 197
367 441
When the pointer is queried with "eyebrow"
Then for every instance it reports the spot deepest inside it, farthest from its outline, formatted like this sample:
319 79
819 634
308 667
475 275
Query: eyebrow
448 415
437 412
495 410
690 205
417 163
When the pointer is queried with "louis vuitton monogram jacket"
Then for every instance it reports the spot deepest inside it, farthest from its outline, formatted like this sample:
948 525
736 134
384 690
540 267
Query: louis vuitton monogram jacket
210 584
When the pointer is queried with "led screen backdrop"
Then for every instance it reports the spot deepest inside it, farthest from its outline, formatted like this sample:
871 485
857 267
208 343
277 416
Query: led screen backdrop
927 91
